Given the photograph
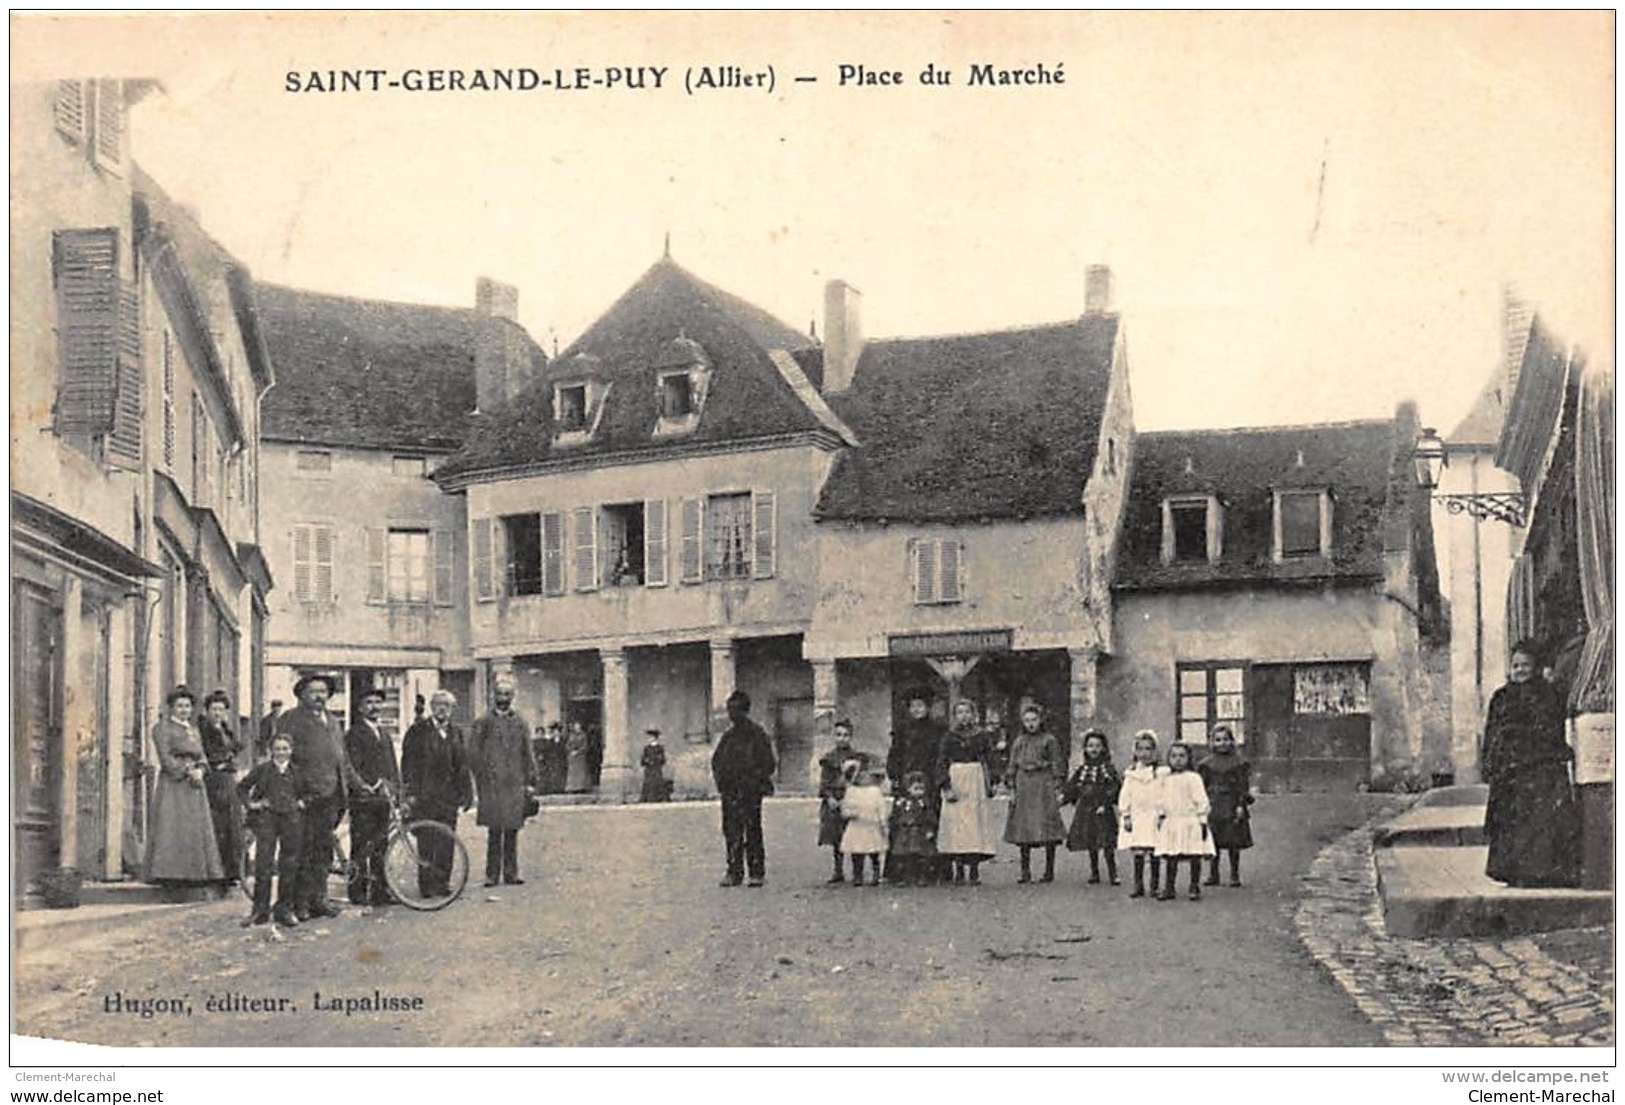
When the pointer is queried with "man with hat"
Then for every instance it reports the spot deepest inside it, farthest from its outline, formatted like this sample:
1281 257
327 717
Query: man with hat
743 766
319 756
372 754
505 776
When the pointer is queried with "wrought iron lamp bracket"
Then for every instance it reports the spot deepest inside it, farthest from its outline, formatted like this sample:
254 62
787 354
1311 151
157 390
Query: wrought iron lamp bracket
1502 506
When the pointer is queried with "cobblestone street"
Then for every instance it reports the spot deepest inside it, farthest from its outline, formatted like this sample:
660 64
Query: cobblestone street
621 937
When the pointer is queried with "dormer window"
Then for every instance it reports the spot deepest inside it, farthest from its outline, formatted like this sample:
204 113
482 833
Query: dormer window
682 378
1192 527
1303 523
578 400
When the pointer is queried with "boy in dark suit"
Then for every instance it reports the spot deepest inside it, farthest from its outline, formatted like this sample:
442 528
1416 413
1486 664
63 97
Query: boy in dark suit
274 795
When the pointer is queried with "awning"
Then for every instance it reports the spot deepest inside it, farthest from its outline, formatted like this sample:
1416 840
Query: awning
79 541
1593 688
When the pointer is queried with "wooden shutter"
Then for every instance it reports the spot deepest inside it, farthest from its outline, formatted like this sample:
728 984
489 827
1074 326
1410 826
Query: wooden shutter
654 543
303 565
691 512
377 565
553 554
169 401
925 570
764 519
484 578
443 552
109 148
324 563
949 561
85 269
586 559
70 109
124 441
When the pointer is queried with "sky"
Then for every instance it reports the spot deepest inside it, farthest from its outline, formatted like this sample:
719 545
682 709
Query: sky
1308 217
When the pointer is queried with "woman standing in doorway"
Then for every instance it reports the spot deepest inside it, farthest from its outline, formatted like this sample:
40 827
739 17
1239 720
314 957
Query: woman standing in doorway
578 773
1530 824
183 848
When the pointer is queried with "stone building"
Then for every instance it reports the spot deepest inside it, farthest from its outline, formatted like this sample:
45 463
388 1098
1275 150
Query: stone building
1281 579
371 397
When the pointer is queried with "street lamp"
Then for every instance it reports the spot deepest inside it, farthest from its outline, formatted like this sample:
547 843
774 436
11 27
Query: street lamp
1430 458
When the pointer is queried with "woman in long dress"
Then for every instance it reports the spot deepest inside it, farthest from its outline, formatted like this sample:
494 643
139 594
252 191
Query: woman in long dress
1034 775
183 847
1531 823
656 787
221 745
578 774
965 833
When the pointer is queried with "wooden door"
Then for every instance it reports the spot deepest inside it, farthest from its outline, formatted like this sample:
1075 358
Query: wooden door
1270 706
36 732
1312 726
91 744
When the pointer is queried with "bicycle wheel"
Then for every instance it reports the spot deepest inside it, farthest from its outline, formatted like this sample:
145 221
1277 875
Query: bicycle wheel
425 865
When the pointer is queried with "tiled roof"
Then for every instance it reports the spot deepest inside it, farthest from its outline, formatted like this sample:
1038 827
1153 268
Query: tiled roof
1482 425
992 425
1243 467
747 396
370 373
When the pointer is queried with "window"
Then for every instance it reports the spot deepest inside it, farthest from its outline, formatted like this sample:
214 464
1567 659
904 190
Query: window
621 545
409 566
676 395
408 466
1210 693
571 408
1190 529
407 555
1303 524
313 547
523 533
314 461
728 536
936 569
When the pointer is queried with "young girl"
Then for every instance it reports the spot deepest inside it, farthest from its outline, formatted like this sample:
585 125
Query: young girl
1182 810
913 836
1034 775
833 773
1229 782
1094 787
1137 809
865 809
965 833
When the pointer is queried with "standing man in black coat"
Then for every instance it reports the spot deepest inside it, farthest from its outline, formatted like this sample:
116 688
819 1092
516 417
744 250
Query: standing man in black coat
372 754
437 781
743 767
318 753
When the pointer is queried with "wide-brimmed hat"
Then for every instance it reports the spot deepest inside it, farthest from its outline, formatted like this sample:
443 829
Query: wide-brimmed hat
314 677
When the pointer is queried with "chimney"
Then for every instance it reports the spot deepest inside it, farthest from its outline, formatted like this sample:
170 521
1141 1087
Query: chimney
843 334
1097 290
502 364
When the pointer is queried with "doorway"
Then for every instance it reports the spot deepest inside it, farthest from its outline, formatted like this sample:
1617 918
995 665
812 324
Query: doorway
36 732
793 745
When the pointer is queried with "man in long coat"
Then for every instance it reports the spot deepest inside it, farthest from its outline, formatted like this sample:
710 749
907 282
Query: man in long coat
436 781
319 755
372 754
505 774
743 766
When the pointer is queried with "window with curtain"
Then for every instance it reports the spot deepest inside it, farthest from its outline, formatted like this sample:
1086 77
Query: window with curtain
728 536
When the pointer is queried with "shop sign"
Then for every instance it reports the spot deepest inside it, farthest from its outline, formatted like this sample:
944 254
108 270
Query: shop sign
952 644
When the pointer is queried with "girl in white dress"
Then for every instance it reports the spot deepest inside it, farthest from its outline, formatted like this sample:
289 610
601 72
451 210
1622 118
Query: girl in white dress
1182 809
866 810
1137 810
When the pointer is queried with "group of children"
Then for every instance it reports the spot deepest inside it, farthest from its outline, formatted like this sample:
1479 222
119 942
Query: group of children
1163 813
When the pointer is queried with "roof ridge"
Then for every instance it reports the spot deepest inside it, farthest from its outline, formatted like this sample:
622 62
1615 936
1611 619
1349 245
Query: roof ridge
1347 423
1031 327
358 299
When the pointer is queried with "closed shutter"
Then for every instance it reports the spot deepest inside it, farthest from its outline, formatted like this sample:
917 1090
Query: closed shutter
324 563
303 565
654 543
586 559
950 563
169 401
484 579
70 109
444 553
553 554
692 567
764 515
925 571
110 126
377 565
124 442
85 269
